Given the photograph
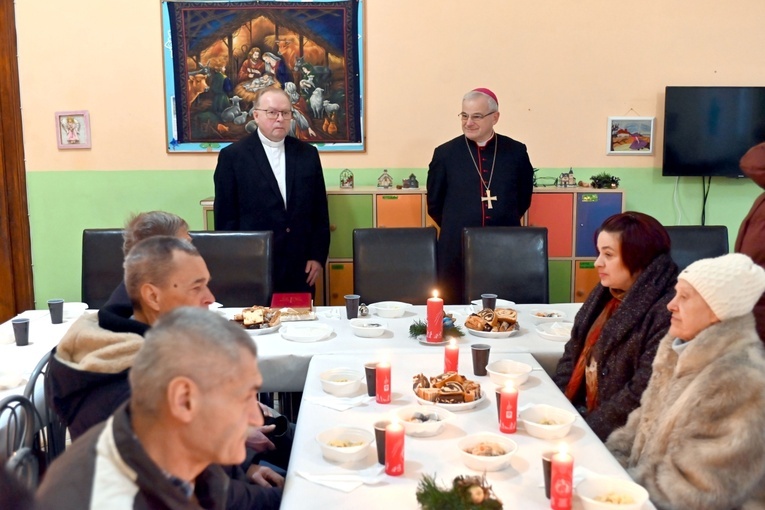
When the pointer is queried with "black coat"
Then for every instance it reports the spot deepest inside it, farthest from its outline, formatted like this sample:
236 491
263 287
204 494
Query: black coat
627 344
247 197
454 198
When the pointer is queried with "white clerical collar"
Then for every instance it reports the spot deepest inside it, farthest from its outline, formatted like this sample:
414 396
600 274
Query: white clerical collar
484 144
270 143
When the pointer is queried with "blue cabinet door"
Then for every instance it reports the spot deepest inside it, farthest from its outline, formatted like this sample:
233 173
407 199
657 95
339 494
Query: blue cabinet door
592 209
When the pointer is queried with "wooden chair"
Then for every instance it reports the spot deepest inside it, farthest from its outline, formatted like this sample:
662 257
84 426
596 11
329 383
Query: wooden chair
17 434
50 429
508 261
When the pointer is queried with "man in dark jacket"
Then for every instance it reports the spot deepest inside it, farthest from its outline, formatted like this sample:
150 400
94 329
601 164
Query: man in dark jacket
161 450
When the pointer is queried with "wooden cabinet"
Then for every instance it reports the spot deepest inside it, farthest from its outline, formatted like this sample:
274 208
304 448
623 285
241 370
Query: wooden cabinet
572 216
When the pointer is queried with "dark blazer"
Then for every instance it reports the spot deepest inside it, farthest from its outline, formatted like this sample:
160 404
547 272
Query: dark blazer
247 198
627 345
454 199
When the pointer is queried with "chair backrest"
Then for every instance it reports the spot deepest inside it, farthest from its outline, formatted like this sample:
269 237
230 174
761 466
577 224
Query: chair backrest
240 265
101 264
50 429
695 242
17 425
394 264
508 261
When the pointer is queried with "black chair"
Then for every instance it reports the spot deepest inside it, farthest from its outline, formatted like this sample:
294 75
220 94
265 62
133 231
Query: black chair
696 242
17 434
101 264
394 264
508 261
50 429
240 265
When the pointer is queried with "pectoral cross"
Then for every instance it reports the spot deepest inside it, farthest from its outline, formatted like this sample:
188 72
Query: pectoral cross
488 198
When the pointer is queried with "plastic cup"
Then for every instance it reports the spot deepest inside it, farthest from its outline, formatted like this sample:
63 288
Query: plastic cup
480 358
546 466
371 371
352 305
380 440
56 307
21 331
489 301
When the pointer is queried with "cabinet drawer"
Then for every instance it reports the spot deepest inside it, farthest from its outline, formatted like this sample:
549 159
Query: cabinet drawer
592 209
347 212
399 211
585 279
339 282
556 212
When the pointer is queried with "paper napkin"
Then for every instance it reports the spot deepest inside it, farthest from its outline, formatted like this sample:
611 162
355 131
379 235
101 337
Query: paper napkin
345 480
339 404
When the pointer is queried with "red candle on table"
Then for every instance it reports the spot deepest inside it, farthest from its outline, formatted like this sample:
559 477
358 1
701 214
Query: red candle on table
382 382
451 357
508 409
435 318
394 449
561 480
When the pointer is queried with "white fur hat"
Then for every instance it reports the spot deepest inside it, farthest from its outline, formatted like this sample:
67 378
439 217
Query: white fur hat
731 284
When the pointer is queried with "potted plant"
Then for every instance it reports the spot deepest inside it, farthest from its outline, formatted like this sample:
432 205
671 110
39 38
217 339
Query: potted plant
604 180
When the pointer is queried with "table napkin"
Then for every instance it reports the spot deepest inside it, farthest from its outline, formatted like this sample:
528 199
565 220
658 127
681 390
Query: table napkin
561 328
335 312
339 404
345 480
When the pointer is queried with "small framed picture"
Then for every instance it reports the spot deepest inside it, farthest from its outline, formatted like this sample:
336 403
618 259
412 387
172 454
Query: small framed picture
630 136
73 129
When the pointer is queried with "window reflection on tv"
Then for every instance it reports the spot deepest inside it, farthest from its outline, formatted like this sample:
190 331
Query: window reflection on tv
708 129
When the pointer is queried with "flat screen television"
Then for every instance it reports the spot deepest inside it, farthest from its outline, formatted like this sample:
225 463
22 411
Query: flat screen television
708 129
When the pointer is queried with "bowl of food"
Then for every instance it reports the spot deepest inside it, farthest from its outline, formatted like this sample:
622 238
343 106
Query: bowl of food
389 309
423 421
608 493
540 315
367 328
547 422
341 382
504 370
486 451
344 444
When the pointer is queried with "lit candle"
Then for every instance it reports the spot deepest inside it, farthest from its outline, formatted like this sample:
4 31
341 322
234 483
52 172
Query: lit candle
508 409
561 479
394 449
382 383
451 356
435 318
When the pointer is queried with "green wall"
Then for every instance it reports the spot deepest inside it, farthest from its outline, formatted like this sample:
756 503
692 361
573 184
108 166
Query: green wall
63 203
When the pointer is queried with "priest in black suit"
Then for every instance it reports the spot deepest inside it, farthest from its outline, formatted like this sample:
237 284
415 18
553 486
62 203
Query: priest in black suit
271 181
479 179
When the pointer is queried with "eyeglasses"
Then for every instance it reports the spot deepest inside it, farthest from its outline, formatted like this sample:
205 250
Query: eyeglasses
274 114
475 117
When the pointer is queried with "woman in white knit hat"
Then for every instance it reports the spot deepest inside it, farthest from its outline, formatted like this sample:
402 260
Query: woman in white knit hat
697 441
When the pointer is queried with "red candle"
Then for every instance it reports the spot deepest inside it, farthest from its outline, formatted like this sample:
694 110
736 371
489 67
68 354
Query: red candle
561 480
451 357
394 449
435 318
508 409
382 382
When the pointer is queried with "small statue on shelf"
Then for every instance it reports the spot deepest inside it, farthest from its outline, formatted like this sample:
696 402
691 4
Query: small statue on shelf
413 182
385 181
346 179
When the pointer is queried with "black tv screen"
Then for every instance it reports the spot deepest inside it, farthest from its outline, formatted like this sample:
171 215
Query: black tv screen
708 129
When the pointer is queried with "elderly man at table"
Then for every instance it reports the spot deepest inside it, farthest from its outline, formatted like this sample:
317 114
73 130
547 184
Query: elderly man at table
160 449
697 440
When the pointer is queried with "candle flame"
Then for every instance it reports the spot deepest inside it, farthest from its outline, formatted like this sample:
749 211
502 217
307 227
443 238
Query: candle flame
452 343
435 293
509 386
563 449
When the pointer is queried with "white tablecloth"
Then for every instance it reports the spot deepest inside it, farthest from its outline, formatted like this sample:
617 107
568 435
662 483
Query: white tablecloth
284 363
519 486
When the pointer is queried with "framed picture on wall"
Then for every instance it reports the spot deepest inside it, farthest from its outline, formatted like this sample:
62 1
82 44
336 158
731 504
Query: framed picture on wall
219 57
73 130
630 136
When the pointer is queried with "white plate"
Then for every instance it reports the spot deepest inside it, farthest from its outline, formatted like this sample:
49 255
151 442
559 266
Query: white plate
464 406
547 331
501 303
424 341
304 332
558 316
263 331
493 334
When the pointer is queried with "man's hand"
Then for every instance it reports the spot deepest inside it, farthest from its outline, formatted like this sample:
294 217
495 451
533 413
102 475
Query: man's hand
264 476
313 270
257 439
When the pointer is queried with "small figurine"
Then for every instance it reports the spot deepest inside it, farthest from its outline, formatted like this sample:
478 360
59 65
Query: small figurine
363 310
346 179
385 181
413 183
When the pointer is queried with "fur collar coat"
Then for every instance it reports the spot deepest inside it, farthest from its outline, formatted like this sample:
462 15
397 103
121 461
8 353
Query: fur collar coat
698 438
